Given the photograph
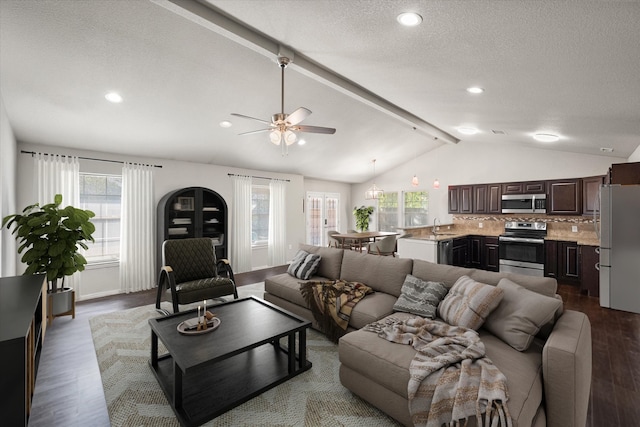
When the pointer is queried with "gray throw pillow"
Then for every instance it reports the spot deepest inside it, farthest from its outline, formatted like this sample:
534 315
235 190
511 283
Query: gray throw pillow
520 315
304 265
420 297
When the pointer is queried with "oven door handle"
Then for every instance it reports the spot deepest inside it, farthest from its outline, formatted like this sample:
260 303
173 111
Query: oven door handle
519 239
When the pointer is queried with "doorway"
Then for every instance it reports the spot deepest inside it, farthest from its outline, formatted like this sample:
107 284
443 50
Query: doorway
322 216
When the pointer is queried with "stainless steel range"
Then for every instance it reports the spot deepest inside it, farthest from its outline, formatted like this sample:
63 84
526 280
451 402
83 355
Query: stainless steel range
522 248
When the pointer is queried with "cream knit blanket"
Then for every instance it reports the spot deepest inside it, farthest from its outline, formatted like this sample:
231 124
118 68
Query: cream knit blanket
451 377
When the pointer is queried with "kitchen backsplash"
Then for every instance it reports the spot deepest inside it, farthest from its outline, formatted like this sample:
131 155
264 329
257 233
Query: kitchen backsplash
558 227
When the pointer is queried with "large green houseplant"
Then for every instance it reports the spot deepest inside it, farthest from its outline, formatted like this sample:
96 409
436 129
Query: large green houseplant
363 216
51 237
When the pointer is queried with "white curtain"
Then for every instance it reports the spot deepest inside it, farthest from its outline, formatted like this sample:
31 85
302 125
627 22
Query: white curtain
241 224
57 174
277 250
137 229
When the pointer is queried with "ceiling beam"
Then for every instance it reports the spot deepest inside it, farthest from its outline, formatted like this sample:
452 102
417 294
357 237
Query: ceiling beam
221 23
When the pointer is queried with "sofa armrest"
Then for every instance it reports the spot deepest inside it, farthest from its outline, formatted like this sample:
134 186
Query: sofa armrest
566 370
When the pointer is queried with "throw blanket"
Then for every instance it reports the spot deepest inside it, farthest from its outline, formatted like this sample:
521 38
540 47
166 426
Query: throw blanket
451 377
332 302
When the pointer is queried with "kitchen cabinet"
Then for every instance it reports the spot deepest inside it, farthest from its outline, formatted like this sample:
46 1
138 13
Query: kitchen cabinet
590 270
461 199
460 252
479 198
193 212
476 246
490 254
494 198
564 197
562 261
591 195
625 173
527 187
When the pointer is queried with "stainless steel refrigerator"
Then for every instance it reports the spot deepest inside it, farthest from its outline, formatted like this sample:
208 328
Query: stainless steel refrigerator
620 247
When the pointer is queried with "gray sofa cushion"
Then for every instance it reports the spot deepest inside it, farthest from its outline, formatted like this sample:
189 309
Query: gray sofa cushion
331 262
420 297
387 364
542 285
447 274
383 274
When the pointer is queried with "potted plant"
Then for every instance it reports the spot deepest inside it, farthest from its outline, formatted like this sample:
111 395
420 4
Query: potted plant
363 216
51 237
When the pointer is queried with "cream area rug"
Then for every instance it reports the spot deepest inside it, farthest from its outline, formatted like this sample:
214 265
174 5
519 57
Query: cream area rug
134 398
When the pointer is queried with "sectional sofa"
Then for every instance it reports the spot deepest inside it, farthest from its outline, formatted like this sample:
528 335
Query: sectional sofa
547 365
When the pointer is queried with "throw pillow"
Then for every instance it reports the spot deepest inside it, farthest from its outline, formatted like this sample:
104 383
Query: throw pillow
420 297
520 315
468 303
304 265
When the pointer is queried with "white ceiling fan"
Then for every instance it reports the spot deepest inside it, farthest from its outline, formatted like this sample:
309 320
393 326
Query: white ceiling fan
283 127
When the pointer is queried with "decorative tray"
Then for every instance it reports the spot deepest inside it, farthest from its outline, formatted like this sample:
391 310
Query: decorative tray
212 325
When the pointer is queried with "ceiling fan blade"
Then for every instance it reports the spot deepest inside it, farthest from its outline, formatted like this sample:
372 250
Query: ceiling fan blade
251 118
297 116
255 131
314 129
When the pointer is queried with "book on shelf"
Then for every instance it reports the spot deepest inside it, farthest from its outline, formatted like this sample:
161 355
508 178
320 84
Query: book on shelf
210 209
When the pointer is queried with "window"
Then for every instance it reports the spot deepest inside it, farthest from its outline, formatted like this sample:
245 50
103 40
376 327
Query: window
102 195
388 212
416 208
413 210
259 215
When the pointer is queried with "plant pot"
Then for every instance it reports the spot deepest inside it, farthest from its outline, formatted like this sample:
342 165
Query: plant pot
61 301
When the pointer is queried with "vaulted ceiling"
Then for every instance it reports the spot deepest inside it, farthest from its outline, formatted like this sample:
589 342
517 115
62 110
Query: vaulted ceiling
392 92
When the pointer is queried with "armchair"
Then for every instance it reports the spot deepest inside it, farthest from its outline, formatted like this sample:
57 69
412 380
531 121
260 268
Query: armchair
190 272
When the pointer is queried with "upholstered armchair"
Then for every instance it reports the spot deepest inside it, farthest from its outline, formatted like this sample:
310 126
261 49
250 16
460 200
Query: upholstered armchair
191 272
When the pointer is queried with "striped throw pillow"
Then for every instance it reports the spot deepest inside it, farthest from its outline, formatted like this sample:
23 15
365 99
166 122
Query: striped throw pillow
468 303
304 265
420 297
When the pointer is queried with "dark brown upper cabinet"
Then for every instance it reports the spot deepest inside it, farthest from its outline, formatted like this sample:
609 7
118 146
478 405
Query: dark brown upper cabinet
461 199
526 187
564 197
590 194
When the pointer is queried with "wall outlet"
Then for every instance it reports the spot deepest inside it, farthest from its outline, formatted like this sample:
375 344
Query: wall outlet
448 227
480 225
574 228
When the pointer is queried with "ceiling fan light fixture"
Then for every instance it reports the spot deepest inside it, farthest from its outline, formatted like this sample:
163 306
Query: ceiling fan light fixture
290 137
275 136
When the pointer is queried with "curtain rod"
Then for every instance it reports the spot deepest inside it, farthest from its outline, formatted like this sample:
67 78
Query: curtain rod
260 177
87 158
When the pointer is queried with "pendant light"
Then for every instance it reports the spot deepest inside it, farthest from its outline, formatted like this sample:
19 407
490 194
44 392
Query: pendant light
374 192
436 183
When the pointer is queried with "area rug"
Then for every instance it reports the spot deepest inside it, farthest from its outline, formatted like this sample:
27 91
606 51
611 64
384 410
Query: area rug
315 398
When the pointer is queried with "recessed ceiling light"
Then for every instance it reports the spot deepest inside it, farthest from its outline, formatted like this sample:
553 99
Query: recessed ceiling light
409 19
113 97
302 142
468 130
546 137
225 124
475 89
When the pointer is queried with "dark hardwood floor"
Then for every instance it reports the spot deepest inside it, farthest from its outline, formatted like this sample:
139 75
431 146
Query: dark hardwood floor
69 389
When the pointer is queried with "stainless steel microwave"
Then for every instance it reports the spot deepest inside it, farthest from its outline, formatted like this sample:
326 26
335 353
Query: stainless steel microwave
524 203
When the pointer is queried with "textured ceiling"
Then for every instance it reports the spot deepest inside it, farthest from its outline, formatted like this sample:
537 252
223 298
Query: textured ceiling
570 68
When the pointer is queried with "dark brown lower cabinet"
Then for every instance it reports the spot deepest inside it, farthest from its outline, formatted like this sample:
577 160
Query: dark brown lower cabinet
460 252
562 261
491 254
590 270
476 245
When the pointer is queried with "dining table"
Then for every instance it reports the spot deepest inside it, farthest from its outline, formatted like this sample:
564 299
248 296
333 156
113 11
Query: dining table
361 237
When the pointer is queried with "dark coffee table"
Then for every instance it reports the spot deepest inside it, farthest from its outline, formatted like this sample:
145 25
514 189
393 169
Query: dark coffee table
205 375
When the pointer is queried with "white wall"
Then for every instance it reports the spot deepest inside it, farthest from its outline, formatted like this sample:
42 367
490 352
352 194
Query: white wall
635 156
470 163
172 176
8 149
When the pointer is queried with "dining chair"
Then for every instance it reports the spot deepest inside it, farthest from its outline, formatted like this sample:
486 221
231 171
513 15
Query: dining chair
385 246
